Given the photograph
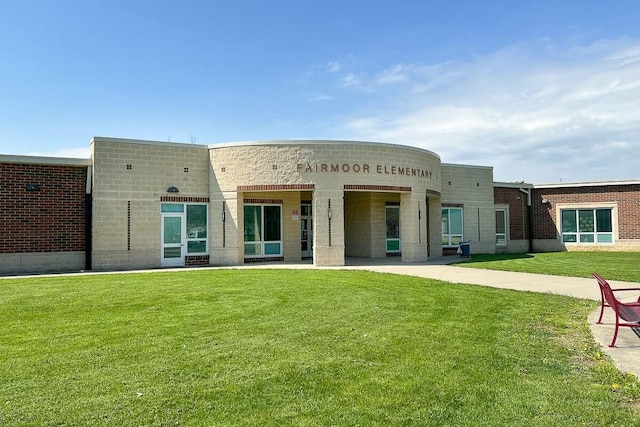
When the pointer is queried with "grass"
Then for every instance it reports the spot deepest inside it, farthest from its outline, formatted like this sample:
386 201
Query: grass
611 265
300 348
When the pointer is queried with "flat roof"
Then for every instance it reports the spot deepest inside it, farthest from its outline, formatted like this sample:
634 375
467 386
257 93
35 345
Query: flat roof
589 183
146 142
42 160
517 184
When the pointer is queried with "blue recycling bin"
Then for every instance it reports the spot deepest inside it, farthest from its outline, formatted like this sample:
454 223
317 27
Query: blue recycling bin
465 249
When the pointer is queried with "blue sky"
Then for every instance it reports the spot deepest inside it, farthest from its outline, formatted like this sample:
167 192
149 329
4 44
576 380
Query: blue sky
543 91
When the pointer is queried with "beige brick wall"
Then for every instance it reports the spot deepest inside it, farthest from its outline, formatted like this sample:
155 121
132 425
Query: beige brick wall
139 172
358 238
472 186
301 162
329 166
358 178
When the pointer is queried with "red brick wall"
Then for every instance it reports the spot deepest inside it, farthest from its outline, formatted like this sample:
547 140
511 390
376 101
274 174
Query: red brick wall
627 197
51 219
518 213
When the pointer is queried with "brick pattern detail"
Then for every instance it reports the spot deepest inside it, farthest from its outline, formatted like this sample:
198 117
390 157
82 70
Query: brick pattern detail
276 187
195 260
264 201
518 211
377 188
51 219
268 259
626 196
182 199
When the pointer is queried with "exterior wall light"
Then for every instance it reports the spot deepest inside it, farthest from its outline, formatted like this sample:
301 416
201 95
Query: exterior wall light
33 187
172 190
546 201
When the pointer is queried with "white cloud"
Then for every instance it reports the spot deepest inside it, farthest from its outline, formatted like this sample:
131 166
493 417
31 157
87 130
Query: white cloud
349 80
334 67
539 112
317 97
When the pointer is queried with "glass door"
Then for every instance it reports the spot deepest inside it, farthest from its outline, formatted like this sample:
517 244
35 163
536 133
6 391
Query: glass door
306 230
393 229
172 239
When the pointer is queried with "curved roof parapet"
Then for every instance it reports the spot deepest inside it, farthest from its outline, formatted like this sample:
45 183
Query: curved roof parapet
287 142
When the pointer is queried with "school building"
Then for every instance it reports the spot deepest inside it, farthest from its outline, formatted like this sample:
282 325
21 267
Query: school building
147 204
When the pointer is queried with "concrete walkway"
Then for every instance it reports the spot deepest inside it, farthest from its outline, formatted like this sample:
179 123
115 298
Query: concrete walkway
626 354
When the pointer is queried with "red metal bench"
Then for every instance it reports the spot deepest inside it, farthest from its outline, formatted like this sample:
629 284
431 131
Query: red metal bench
629 312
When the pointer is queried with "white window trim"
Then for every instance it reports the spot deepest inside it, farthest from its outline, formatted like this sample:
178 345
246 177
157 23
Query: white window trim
454 245
505 209
262 242
185 238
601 205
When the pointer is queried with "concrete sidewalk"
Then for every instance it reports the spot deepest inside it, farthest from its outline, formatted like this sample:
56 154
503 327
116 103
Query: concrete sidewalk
626 354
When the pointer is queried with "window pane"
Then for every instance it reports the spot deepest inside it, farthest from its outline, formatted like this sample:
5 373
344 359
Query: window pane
605 238
586 238
172 230
173 252
501 240
252 249
252 223
455 218
585 221
569 223
196 221
500 222
393 245
393 223
197 246
172 207
603 219
569 238
455 240
272 223
445 222
272 248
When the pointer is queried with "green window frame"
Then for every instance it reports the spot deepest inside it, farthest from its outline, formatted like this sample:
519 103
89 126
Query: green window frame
262 231
587 225
452 227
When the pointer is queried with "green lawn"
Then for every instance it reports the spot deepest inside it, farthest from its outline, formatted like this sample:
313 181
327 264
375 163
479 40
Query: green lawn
300 348
611 265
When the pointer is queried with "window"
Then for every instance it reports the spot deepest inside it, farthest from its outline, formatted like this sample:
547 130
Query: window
501 227
393 229
195 230
587 226
451 226
262 230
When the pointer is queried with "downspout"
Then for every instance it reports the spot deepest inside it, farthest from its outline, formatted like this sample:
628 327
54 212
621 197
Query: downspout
88 220
527 191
